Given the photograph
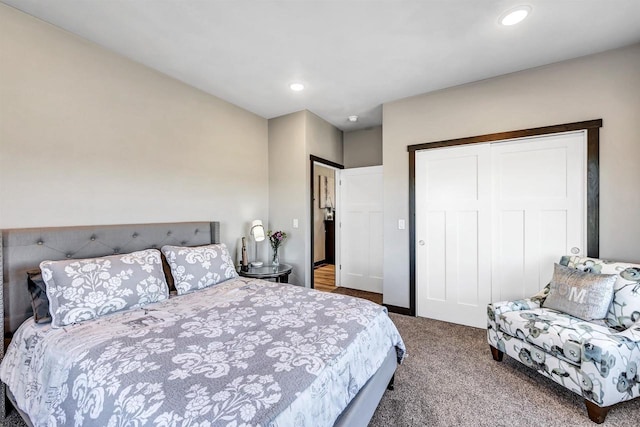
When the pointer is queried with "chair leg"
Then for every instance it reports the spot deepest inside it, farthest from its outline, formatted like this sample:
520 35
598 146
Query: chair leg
497 354
597 414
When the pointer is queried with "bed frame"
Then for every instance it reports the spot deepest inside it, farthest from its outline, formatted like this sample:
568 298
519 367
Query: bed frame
23 249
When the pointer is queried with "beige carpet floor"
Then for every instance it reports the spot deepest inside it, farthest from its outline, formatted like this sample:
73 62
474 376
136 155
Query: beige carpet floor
450 379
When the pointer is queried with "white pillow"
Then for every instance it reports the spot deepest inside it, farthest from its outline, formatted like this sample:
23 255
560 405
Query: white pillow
84 289
199 267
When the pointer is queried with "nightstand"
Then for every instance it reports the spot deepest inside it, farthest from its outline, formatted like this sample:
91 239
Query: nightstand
279 272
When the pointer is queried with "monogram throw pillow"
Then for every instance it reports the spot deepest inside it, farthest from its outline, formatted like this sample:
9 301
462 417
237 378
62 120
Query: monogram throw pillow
84 289
580 294
199 267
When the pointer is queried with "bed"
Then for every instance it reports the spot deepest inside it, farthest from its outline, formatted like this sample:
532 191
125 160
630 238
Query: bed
241 352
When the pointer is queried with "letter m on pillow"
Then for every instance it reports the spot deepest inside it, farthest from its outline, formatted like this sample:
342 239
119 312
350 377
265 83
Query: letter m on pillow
576 296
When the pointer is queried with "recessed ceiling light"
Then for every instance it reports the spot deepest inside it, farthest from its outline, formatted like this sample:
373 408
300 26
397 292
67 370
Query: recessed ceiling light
296 87
515 15
353 119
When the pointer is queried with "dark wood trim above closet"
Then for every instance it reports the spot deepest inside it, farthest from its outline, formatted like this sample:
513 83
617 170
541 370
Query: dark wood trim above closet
592 128
500 136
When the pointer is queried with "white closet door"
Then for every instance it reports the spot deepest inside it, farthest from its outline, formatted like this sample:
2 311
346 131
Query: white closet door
361 237
453 230
491 219
539 210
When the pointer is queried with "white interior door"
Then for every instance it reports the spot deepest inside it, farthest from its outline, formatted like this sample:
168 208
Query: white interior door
539 204
491 219
361 237
453 228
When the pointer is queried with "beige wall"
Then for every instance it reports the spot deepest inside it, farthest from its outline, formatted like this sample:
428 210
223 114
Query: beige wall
363 148
287 190
325 141
292 139
605 85
90 137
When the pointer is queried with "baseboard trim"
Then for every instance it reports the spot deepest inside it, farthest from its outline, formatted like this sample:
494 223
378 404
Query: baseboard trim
319 263
399 310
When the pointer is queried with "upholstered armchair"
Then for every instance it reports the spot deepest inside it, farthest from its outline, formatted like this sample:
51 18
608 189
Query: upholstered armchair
597 359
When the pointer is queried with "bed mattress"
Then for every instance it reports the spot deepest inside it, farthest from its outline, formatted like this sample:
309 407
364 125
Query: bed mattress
244 352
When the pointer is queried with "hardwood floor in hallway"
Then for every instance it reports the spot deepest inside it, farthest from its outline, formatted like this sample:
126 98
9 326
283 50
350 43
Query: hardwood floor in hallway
324 278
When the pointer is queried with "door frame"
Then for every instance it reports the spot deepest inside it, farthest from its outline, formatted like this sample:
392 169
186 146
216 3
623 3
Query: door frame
312 161
592 128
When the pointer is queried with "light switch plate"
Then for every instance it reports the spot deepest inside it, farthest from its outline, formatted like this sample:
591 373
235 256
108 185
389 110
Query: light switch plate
401 224
295 222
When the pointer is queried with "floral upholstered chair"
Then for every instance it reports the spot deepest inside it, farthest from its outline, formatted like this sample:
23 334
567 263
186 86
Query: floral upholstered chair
597 358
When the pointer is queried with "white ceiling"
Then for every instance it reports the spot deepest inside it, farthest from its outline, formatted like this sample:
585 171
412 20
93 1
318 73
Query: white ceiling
351 55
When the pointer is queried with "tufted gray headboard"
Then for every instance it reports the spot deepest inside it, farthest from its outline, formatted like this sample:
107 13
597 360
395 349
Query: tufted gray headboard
24 249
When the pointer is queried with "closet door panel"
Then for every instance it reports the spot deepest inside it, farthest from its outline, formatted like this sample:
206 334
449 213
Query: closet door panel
434 274
466 260
453 205
510 243
544 179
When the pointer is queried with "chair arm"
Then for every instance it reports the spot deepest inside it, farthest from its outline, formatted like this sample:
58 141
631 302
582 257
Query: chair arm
617 354
518 305
622 344
522 304
632 332
609 368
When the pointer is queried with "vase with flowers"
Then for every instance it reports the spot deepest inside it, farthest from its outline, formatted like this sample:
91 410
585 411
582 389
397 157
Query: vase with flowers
276 238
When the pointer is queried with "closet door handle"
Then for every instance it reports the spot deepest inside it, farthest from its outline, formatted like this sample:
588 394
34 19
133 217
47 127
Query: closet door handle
575 250
421 242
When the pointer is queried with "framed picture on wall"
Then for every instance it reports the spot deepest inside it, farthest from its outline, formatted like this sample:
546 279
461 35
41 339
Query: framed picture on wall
327 192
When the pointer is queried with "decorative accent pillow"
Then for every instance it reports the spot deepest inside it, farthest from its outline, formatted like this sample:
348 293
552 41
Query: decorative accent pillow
580 294
624 310
84 289
199 267
39 300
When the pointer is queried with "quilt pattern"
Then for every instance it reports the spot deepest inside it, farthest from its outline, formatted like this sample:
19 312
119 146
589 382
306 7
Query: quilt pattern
242 353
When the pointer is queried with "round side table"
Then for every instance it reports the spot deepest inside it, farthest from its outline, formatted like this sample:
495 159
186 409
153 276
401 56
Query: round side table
279 272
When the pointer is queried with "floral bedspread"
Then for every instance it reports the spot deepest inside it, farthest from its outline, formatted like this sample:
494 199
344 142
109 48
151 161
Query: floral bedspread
243 353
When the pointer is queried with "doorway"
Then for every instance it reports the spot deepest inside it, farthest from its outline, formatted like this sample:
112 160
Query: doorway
324 229
324 211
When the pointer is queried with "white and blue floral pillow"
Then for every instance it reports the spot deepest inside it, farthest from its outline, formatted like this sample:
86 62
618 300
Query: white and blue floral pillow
84 289
199 267
624 310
